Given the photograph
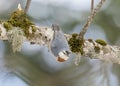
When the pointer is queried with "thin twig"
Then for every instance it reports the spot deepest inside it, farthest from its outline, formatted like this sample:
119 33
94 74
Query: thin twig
27 6
90 19
92 5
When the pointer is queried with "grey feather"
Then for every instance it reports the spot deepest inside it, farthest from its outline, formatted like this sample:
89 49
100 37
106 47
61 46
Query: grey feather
59 42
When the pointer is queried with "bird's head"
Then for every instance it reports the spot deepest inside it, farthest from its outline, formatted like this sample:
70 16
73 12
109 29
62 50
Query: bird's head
63 56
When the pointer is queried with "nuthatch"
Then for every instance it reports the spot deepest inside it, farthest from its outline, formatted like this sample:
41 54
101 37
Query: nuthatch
59 45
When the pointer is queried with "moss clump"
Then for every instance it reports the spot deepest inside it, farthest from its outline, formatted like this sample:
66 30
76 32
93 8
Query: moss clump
74 35
33 28
90 40
7 25
0 21
97 49
19 19
31 35
101 42
76 45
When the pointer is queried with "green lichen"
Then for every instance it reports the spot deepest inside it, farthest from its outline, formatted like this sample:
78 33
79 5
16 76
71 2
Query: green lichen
19 19
33 29
76 45
16 37
97 49
74 35
7 25
0 21
90 40
101 42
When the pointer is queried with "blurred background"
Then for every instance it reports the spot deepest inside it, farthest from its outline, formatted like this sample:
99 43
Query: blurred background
35 66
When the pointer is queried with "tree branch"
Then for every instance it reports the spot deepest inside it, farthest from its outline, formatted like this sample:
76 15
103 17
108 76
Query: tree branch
43 35
90 18
17 32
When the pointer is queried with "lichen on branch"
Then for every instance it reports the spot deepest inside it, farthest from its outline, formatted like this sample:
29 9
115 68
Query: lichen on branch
16 37
76 45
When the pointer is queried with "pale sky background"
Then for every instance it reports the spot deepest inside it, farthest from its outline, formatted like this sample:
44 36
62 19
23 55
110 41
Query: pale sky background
72 4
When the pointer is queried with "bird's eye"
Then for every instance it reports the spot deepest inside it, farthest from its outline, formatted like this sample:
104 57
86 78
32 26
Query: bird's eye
67 52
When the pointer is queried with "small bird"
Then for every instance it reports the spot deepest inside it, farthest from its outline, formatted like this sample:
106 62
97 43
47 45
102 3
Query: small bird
59 45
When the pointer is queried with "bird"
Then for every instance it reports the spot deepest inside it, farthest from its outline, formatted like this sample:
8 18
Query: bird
59 45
